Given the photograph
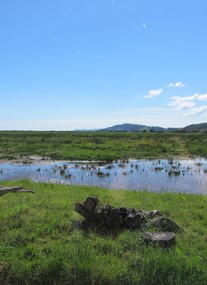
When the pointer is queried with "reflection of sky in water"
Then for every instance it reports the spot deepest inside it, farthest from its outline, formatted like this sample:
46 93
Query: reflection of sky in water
153 175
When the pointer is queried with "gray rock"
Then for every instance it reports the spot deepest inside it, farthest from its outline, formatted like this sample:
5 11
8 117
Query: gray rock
163 239
152 214
164 224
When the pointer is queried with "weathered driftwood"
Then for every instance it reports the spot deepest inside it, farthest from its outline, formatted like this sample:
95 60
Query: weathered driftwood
115 219
109 217
17 189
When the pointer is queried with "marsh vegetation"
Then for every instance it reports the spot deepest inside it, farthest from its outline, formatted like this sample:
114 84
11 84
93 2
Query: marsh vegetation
101 146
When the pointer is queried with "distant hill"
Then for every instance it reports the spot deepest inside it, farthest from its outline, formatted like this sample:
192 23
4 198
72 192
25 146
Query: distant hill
196 128
133 128
144 128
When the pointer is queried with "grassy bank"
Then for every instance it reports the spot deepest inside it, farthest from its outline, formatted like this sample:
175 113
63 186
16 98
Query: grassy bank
40 242
101 145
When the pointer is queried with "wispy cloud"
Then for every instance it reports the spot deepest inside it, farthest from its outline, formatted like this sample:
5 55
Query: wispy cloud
156 92
176 84
201 97
153 93
144 25
179 103
195 112
189 102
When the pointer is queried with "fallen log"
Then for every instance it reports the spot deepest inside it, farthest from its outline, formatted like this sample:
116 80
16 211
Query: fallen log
16 189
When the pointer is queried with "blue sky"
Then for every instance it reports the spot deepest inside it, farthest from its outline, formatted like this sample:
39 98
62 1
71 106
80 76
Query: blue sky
68 65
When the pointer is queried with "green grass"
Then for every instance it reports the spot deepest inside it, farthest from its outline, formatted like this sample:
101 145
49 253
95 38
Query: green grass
105 146
40 242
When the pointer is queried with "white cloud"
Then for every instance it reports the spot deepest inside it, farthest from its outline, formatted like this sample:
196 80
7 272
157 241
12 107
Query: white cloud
201 97
195 112
180 103
153 93
176 84
186 101
189 102
144 25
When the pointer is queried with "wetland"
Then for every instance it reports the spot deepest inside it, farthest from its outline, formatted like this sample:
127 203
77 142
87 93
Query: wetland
157 175
41 241
169 162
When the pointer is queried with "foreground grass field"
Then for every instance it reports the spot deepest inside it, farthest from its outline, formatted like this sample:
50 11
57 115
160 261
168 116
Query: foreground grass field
40 242
105 146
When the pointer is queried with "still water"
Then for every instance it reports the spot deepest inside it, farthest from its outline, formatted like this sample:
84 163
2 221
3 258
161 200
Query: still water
188 176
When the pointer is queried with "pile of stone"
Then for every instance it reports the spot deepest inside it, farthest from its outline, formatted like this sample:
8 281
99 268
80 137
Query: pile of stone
115 219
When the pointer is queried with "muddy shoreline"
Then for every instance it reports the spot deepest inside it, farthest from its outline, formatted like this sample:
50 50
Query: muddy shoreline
29 160
39 160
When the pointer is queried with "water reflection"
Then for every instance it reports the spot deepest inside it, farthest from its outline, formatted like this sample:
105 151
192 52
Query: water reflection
153 175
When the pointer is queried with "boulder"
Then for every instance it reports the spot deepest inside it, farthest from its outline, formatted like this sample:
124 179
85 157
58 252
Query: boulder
152 214
164 224
163 239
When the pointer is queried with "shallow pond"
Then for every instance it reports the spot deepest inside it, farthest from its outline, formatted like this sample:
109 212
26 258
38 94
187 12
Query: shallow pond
188 176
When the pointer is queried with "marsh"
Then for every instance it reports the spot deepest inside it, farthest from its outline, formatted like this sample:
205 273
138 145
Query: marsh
160 175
